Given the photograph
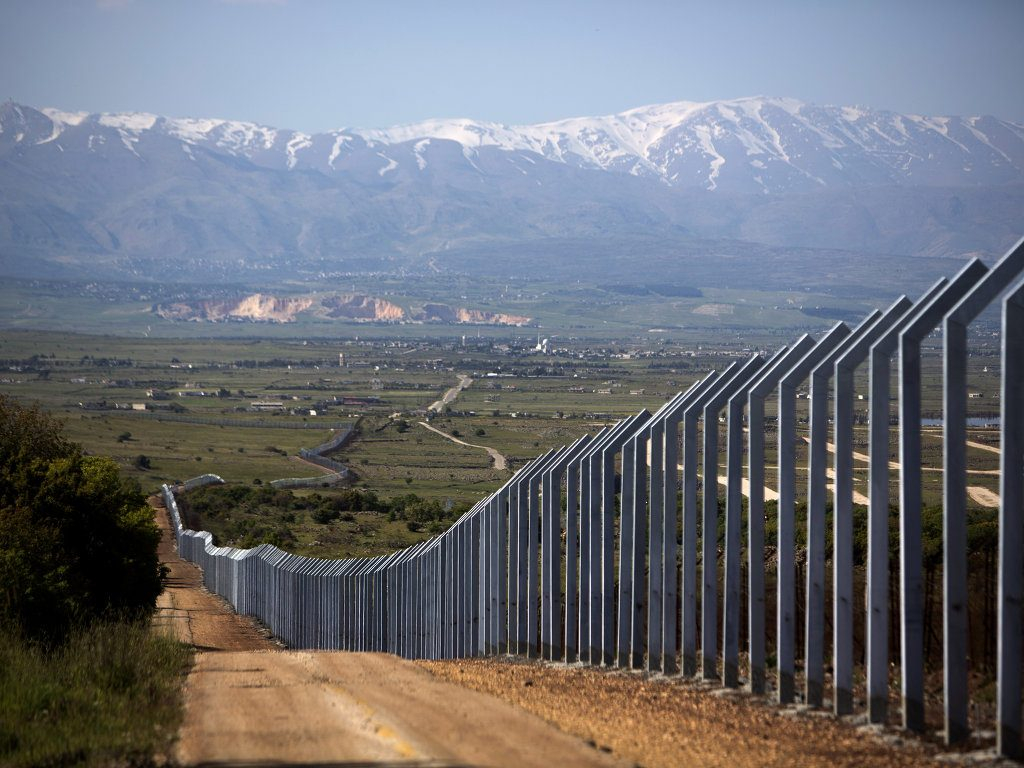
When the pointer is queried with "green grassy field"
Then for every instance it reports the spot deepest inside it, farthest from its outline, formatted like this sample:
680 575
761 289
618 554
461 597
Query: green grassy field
521 402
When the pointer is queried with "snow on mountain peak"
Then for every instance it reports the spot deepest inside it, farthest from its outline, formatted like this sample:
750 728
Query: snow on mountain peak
64 118
755 144
128 121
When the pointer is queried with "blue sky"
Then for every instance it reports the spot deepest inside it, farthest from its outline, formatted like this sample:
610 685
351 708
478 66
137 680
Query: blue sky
315 65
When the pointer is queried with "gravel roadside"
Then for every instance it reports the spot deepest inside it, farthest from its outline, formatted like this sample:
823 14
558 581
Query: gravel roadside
658 722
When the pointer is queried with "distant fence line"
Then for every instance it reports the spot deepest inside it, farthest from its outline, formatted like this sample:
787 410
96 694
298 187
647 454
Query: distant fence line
339 472
320 481
493 584
256 423
198 482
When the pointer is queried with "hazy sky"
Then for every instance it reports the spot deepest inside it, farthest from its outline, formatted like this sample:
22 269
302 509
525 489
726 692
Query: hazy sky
315 65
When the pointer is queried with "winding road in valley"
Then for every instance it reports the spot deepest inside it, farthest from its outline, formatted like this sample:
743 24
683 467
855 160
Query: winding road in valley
500 462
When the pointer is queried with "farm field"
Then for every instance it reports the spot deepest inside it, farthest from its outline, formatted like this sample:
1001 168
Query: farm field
243 408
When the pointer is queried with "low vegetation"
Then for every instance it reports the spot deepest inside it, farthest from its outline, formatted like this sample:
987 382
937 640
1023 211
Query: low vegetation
346 523
83 680
109 694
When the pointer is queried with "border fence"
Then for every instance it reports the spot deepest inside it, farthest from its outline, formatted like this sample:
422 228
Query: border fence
339 473
624 590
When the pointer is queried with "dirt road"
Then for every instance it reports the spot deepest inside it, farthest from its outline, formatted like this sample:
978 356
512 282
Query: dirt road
249 701
449 397
358 708
500 462
191 613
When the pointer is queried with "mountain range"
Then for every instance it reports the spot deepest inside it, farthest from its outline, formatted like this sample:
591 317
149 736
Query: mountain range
140 196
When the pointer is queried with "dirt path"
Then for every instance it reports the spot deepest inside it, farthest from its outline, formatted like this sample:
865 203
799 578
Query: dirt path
247 701
358 709
449 397
500 462
307 462
983 496
191 613
937 434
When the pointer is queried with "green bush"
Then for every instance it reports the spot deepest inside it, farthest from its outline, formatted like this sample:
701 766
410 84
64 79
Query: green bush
77 541
325 515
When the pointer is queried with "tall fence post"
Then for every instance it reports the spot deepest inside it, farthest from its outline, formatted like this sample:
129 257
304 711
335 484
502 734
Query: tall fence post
817 460
670 611
911 586
786 617
689 565
733 540
709 537
954 485
842 507
610 449
1011 530
766 382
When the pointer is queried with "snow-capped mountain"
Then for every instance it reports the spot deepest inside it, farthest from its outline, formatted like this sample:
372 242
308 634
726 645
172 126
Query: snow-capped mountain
756 144
771 170
760 145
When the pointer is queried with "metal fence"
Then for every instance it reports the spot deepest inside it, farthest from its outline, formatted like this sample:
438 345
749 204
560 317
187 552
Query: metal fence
339 472
602 577
320 481
211 421
198 482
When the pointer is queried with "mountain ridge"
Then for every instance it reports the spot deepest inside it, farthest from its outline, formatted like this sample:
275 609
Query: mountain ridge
136 195
675 142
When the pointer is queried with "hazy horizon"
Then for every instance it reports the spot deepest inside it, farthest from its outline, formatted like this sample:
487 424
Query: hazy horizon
316 66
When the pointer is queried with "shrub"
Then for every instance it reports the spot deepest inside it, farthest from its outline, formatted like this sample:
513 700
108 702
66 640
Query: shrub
325 515
77 541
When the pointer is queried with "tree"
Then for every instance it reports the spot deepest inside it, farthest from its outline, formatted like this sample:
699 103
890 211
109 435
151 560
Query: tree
77 541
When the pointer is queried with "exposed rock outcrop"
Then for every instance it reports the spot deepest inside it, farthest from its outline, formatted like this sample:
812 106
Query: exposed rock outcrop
256 307
489 318
260 307
354 306
442 313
